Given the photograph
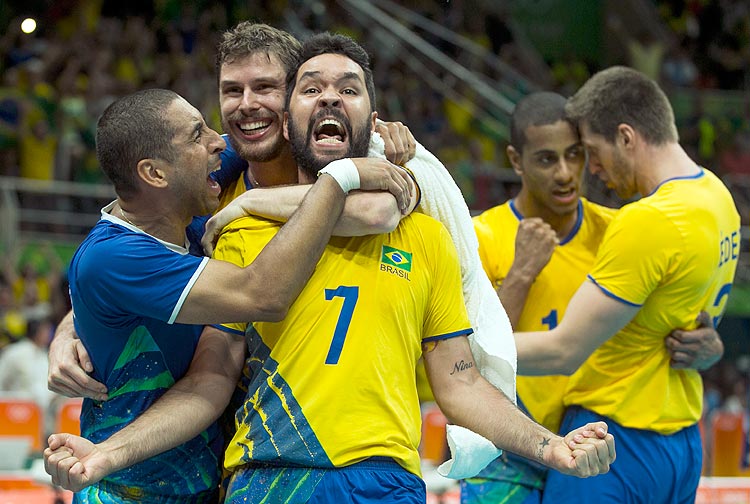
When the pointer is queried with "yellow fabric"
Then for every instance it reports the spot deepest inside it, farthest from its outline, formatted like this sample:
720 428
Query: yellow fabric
549 295
365 404
674 253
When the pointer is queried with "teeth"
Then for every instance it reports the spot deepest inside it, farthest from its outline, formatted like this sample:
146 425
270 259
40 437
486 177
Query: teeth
330 140
330 122
253 125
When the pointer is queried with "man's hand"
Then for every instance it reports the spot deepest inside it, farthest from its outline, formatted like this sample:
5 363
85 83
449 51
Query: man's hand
535 243
69 365
698 349
74 462
381 175
400 144
216 223
583 452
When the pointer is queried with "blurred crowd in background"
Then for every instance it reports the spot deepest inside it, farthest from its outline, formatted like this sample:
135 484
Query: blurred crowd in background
57 81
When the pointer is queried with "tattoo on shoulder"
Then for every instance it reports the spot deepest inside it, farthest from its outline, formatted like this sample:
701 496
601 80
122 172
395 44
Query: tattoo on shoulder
540 448
461 365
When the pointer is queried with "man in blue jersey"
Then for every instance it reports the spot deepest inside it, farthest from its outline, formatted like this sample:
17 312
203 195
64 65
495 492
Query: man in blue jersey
537 249
332 414
138 297
663 259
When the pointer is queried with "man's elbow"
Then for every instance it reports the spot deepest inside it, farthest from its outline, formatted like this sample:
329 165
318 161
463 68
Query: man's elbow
383 219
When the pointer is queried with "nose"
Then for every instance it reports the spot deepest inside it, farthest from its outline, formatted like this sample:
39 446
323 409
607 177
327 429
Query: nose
564 172
248 102
217 143
329 98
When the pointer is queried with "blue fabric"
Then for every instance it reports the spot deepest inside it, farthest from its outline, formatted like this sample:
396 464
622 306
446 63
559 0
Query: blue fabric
374 481
650 467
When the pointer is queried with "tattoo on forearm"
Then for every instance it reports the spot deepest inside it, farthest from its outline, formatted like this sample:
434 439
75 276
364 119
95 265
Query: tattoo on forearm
461 366
540 448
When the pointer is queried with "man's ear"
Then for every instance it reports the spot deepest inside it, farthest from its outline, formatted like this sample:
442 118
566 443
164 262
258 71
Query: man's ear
286 126
626 135
515 159
151 172
373 120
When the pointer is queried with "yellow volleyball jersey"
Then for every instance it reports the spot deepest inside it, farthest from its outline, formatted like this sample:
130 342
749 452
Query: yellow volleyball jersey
673 253
334 382
548 297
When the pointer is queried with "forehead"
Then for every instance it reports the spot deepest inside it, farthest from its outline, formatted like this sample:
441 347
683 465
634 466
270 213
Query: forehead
183 116
589 138
329 67
550 137
257 65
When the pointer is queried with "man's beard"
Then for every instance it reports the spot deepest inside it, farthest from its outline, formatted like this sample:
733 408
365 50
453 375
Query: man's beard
251 152
359 142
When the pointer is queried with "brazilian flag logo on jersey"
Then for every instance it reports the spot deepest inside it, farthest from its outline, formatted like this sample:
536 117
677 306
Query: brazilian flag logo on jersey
396 258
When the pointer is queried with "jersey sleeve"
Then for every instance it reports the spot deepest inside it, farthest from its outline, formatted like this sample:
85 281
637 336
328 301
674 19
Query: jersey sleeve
140 275
446 314
636 254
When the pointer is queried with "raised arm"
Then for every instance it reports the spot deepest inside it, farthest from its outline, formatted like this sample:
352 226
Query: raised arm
467 399
224 292
591 318
365 212
535 243
69 365
183 412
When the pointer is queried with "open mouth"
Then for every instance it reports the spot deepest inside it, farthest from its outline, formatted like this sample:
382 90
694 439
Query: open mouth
330 131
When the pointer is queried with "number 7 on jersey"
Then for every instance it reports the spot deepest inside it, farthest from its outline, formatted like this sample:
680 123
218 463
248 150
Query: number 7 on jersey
350 295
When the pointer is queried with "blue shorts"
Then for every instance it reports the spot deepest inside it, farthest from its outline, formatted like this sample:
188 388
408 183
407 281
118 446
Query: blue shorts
650 467
373 481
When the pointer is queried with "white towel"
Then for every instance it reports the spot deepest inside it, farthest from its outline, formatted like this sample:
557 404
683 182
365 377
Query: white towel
492 342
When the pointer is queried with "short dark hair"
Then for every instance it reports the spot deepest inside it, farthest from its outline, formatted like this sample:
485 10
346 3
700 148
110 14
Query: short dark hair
248 38
621 95
333 43
536 109
131 129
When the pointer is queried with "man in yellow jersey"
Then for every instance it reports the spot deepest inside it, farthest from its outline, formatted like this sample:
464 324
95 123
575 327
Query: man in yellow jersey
662 260
538 247
332 413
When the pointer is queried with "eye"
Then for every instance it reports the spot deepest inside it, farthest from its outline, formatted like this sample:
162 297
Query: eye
310 90
349 91
233 90
575 153
547 159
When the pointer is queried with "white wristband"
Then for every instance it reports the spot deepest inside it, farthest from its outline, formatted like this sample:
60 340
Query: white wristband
345 172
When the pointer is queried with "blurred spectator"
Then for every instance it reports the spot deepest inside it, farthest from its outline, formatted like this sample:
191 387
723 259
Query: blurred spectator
736 158
12 321
23 369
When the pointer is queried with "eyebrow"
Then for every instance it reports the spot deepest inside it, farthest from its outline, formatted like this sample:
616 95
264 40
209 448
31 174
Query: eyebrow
345 77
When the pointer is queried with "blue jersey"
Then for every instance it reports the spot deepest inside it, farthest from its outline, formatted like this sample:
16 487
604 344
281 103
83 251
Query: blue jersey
127 288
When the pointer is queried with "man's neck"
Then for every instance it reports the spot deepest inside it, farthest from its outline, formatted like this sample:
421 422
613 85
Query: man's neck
279 171
161 223
661 163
